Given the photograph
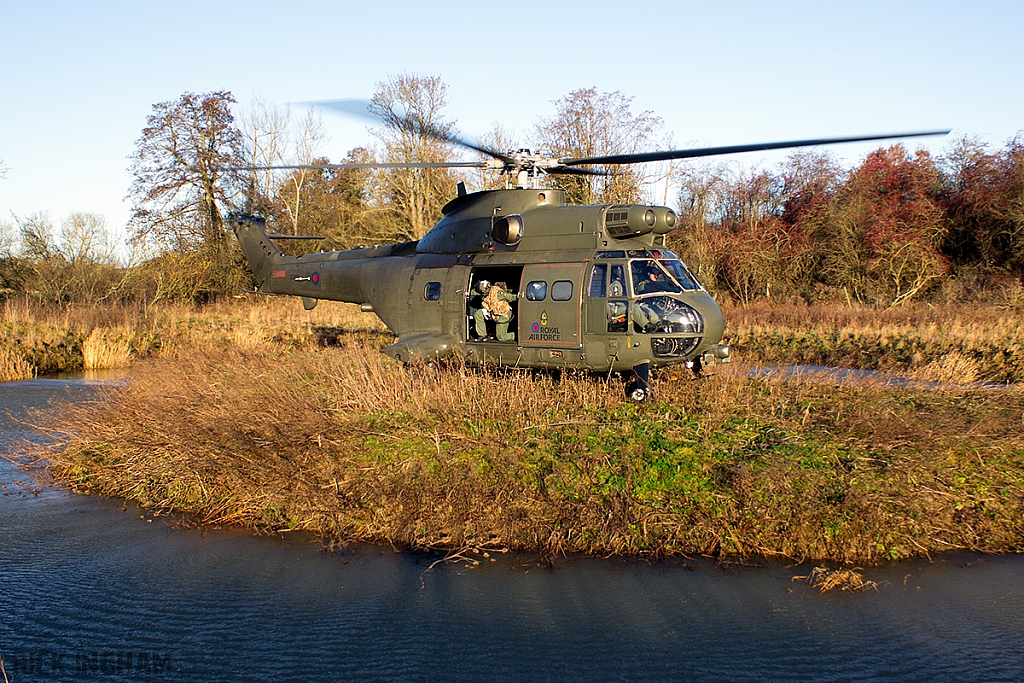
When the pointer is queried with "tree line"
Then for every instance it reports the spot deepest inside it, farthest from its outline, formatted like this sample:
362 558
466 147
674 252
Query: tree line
897 227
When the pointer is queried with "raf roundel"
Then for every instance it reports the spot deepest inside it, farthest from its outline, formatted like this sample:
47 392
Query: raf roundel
535 327
316 278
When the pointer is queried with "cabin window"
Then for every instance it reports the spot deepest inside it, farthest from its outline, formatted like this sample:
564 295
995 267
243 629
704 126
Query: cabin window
561 290
432 292
597 281
617 286
537 290
665 315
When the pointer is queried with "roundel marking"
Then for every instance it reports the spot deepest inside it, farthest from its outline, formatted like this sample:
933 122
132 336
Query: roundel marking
535 327
316 278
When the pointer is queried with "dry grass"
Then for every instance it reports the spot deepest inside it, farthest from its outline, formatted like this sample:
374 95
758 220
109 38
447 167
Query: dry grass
256 412
14 366
105 349
350 445
52 339
954 367
950 343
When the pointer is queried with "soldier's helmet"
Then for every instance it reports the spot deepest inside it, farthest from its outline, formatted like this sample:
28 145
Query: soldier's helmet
501 285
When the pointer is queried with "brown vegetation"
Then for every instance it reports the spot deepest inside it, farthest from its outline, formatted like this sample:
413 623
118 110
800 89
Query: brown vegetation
289 426
944 343
825 579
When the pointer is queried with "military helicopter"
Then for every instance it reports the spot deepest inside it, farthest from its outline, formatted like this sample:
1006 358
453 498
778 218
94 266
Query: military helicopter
593 287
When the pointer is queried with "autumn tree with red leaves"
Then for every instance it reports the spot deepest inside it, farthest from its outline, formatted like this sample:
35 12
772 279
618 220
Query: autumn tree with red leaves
883 236
983 195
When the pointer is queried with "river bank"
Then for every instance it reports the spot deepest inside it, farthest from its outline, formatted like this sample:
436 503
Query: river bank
343 442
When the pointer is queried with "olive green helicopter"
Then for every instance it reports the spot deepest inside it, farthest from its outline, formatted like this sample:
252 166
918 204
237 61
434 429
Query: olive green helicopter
584 287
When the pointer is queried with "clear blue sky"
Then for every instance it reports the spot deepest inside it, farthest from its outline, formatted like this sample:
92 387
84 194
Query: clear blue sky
77 79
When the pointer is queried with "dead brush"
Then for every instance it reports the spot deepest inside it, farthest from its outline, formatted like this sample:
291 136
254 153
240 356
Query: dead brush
825 579
106 349
14 366
939 343
953 368
335 438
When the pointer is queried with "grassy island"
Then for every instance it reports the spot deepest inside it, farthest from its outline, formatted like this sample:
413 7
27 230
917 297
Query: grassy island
257 413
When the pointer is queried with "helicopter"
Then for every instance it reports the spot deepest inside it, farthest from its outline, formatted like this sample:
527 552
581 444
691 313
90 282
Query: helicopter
587 287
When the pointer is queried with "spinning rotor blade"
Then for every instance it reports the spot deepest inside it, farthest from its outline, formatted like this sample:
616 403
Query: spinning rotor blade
400 164
567 170
363 108
733 149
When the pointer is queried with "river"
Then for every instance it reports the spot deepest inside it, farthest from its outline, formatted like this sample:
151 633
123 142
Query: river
91 588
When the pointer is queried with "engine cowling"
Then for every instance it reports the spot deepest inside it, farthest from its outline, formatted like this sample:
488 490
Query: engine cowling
625 221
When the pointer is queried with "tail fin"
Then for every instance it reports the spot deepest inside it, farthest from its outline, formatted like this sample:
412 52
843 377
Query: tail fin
259 250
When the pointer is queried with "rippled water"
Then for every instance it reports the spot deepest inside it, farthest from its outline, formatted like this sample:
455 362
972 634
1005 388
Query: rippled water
88 589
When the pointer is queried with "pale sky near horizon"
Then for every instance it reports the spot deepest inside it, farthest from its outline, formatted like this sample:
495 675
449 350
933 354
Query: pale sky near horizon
78 79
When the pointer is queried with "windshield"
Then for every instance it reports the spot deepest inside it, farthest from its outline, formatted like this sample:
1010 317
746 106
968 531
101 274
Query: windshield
650 278
683 276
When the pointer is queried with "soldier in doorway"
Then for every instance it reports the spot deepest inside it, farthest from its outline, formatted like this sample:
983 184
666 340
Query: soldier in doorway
476 305
496 306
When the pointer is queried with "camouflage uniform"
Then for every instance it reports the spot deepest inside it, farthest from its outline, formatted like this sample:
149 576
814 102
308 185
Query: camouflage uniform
496 304
476 298
645 317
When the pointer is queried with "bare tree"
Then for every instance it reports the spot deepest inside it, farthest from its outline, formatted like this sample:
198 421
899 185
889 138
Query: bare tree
264 126
499 139
307 142
75 264
412 108
180 168
701 187
10 265
588 123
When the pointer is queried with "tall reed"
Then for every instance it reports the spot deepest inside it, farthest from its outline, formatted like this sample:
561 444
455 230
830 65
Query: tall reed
14 366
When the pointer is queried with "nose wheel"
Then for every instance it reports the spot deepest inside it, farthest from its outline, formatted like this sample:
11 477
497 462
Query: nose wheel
639 388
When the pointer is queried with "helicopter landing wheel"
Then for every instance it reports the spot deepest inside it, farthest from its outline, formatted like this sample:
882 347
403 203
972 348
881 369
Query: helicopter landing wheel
639 390
636 393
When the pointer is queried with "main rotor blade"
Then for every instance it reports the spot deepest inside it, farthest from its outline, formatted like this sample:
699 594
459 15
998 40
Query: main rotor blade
567 170
644 157
364 109
399 164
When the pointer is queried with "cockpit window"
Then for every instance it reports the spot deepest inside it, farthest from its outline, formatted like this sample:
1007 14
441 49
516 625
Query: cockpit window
649 278
683 276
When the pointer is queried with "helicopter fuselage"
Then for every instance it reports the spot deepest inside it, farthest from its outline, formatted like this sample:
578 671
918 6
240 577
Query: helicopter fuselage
595 286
